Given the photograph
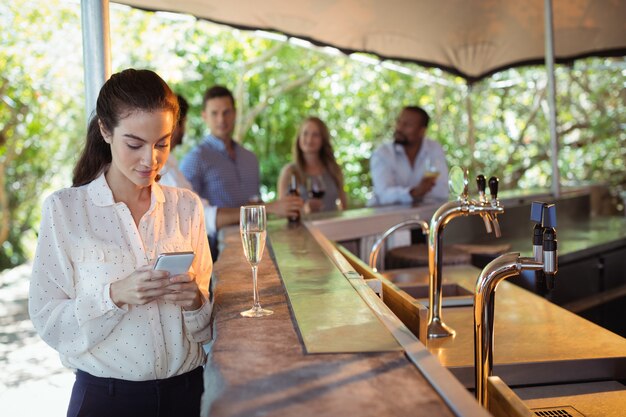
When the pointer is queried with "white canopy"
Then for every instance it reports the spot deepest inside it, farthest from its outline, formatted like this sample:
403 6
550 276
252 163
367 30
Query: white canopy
471 38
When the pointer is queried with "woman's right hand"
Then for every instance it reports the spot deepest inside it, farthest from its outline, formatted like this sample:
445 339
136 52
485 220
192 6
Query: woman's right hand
141 287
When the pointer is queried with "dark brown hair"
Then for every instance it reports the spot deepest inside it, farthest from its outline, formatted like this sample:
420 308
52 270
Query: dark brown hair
183 106
215 92
325 154
124 93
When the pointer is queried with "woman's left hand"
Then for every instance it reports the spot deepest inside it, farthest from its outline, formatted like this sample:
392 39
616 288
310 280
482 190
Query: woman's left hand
315 205
184 292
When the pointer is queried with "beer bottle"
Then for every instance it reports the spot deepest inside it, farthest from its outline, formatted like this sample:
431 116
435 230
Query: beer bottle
293 190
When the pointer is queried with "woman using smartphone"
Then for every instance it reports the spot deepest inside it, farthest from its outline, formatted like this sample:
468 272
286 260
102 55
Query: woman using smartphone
133 334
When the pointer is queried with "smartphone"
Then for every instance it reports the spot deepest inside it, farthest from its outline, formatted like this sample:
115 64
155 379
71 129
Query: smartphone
174 262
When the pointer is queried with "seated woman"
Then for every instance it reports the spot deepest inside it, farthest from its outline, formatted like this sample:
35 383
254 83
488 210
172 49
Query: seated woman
132 334
315 169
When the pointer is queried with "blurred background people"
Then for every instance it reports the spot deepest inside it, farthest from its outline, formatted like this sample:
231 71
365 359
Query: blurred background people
172 176
224 172
315 169
412 169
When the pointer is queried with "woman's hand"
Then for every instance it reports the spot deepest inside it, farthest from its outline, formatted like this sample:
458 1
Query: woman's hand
314 205
289 205
183 291
141 287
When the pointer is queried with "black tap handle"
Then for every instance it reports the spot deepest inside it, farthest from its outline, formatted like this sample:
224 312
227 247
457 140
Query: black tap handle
493 187
538 235
481 182
550 258
549 240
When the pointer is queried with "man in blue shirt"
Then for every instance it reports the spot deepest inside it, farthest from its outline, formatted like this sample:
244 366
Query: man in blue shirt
224 172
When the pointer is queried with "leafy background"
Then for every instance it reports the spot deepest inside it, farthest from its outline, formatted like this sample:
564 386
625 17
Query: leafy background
497 126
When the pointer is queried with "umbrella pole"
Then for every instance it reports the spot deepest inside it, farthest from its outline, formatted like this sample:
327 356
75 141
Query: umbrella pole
96 49
554 140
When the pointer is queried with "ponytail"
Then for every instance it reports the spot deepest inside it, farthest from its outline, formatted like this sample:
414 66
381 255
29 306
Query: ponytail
95 156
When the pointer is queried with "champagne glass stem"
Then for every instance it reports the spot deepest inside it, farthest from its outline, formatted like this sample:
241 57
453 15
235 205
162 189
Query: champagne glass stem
257 304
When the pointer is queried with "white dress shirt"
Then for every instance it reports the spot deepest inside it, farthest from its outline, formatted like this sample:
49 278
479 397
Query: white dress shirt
171 175
393 176
86 242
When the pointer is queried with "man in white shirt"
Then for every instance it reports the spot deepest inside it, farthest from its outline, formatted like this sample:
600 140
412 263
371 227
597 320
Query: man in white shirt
412 169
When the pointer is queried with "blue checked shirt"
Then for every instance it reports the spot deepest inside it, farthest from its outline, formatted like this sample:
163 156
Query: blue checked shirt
219 179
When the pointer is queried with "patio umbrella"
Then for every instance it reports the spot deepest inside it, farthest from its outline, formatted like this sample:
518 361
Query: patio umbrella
469 38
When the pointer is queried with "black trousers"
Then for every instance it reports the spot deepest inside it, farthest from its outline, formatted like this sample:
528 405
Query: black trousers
178 396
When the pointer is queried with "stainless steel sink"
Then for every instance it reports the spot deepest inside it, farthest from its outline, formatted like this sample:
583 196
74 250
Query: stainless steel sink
414 282
453 294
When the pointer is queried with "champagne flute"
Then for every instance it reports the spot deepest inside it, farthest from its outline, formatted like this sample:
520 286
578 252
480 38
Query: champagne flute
252 226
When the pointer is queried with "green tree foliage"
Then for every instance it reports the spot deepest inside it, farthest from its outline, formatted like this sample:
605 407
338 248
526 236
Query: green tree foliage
497 126
36 118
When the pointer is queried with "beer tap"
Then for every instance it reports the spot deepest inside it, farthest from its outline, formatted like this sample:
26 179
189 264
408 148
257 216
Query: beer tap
490 218
505 266
488 210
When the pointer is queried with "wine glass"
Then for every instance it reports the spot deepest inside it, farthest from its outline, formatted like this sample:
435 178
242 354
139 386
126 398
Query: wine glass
430 169
252 226
317 187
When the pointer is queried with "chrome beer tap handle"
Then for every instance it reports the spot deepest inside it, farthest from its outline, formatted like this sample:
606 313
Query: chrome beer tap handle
495 223
495 204
481 183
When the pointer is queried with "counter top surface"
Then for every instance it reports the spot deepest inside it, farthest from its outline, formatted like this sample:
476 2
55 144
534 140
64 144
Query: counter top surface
263 369
529 331
576 241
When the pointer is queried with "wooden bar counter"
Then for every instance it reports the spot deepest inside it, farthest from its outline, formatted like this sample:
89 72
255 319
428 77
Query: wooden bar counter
260 367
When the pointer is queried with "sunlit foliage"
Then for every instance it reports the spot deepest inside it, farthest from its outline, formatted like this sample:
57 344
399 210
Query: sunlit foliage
497 126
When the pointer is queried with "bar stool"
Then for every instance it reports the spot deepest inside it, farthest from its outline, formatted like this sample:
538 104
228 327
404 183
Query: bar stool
417 255
413 255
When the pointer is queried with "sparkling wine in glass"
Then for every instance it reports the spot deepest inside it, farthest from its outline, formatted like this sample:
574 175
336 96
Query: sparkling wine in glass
252 226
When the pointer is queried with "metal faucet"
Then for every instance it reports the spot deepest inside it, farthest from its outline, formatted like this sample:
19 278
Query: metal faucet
488 210
501 268
402 225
